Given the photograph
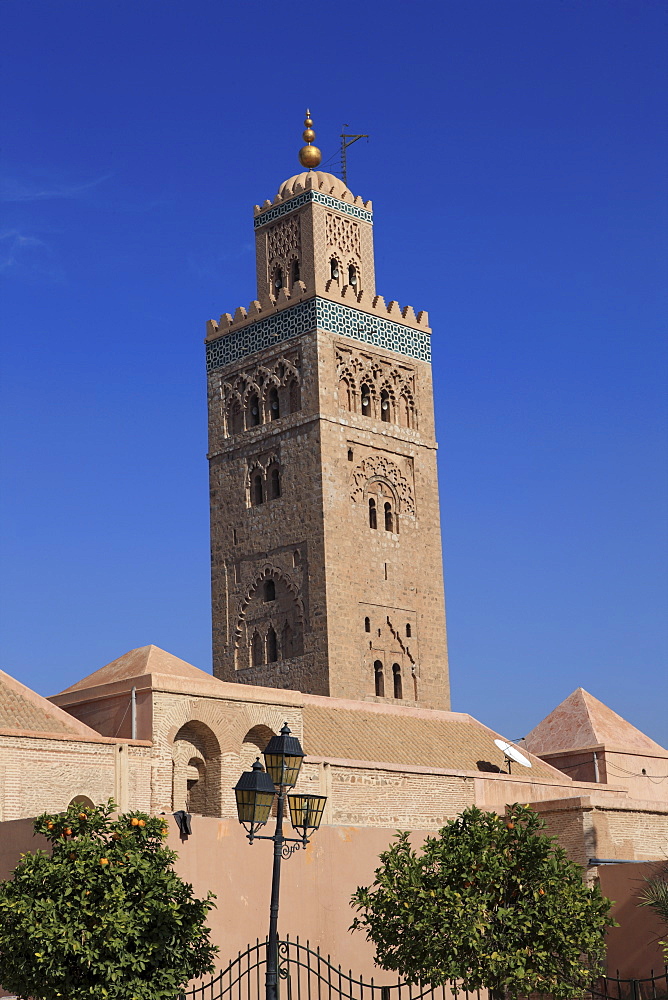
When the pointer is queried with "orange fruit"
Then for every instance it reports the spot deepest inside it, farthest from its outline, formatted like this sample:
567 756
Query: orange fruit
141 822
82 816
68 831
541 892
510 826
104 861
49 826
134 821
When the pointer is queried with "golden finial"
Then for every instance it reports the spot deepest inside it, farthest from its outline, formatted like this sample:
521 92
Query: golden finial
309 156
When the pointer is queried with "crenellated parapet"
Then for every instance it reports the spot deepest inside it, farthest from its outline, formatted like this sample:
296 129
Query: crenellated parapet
286 299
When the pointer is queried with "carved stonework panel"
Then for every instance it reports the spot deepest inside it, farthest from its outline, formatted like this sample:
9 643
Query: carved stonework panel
283 239
376 387
379 469
344 235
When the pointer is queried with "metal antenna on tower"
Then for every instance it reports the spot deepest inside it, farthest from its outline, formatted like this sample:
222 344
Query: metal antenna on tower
347 139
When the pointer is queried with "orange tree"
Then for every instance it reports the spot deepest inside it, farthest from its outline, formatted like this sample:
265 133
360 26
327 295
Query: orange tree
104 915
490 902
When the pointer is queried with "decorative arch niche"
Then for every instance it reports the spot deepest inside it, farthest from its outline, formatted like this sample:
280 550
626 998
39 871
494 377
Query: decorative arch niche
196 770
270 627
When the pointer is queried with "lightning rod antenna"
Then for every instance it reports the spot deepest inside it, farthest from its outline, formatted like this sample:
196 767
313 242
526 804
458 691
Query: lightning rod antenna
347 139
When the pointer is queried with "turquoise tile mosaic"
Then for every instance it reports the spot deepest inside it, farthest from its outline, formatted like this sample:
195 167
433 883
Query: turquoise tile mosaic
317 313
302 199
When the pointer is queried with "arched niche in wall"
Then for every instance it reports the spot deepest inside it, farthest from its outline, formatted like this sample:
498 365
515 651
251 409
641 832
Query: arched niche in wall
196 770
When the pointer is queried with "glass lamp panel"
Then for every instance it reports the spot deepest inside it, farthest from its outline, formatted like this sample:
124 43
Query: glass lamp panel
306 811
253 807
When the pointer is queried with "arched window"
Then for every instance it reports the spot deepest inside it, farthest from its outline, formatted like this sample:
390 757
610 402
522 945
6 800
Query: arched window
272 400
287 649
385 406
272 646
367 624
269 590
275 484
372 513
352 275
379 679
345 394
334 269
408 630
366 400
253 412
389 526
235 419
277 280
257 652
295 395
350 454
294 272
396 674
258 490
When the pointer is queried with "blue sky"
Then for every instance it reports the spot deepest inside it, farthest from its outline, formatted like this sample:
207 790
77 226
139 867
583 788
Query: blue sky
516 164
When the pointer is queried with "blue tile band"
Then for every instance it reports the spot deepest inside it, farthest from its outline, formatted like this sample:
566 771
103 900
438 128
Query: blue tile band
317 313
271 214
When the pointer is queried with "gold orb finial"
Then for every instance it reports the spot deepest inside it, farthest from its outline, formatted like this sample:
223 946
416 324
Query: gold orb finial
309 155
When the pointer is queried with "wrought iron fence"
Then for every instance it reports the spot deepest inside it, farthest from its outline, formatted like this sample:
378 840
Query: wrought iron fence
306 973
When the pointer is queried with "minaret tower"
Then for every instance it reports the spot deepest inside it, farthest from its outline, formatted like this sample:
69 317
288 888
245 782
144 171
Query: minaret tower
325 534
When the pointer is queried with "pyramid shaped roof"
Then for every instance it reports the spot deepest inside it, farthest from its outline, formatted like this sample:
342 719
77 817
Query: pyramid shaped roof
25 711
144 660
582 721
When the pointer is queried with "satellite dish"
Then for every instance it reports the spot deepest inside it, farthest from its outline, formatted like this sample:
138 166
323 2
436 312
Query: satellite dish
511 753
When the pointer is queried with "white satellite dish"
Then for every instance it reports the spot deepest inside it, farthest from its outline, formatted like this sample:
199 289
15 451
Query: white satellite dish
511 753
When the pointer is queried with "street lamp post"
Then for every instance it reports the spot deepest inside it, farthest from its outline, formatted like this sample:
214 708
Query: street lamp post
255 792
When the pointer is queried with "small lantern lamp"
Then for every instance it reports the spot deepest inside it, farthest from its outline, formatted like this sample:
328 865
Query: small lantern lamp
283 756
254 793
306 812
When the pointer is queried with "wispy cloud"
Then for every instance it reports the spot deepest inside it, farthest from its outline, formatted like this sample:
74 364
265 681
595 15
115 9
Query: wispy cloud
27 256
14 190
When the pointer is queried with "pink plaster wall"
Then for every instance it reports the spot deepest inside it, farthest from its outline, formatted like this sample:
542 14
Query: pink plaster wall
633 946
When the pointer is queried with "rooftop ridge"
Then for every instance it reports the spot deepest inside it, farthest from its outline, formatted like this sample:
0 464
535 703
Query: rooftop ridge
23 711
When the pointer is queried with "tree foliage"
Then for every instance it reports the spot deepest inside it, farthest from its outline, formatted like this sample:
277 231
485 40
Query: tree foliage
104 915
489 902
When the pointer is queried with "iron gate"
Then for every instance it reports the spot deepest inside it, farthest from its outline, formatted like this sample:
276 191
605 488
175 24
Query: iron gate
307 974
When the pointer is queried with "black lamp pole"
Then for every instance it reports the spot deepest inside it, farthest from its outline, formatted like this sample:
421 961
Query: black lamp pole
255 792
272 943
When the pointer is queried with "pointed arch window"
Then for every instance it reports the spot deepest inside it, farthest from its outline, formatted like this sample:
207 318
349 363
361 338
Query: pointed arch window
287 646
365 392
408 630
396 677
379 679
373 519
273 404
275 483
367 624
334 269
269 591
235 420
385 406
257 652
389 520
277 281
257 491
272 645
294 272
352 275
253 411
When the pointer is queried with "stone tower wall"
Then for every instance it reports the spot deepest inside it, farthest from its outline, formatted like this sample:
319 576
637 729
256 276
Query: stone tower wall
331 582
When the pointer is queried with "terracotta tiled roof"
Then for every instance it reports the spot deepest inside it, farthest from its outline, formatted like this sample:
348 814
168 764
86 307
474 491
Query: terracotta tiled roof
25 711
582 721
446 740
144 660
